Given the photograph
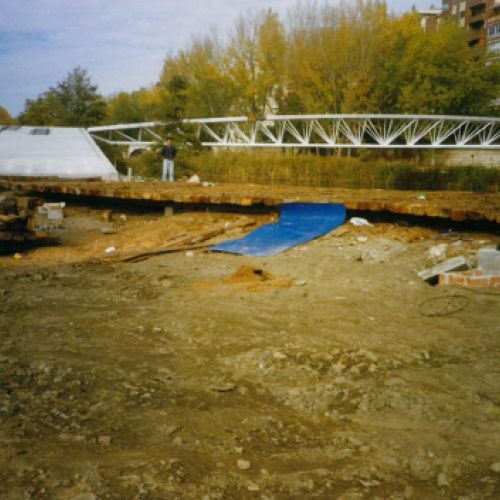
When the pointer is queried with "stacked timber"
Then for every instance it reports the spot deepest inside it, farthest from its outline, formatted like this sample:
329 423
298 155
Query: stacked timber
17 217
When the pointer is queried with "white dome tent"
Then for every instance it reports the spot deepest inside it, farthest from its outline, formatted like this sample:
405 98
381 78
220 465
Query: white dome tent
64 152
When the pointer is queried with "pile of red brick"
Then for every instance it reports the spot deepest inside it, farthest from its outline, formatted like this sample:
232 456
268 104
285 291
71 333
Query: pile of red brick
474 277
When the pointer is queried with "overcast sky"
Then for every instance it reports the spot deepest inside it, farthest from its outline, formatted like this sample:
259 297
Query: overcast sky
121 43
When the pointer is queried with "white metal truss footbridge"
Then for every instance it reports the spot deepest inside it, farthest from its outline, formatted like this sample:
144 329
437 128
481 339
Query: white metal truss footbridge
332 131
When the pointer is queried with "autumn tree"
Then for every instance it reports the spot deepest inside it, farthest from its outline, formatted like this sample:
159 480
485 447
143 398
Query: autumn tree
241 60
5 118
360 33
271 49
395 36
357 58
316 49
208 89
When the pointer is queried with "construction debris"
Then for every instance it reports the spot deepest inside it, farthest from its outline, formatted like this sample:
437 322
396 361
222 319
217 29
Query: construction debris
486 275
227 387
431 275
183 242
49 216
379 250
472 278
437 253
488 260
359 222
18 218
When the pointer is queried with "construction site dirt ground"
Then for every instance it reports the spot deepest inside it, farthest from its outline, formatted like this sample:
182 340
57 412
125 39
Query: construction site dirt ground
316 373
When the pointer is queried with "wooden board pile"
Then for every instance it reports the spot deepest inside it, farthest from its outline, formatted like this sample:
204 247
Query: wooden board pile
17 218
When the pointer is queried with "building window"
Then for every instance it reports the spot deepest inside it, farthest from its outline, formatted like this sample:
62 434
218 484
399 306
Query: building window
39 131
478 9
477 25
494 29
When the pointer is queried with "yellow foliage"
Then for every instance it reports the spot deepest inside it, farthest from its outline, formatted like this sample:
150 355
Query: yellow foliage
5 118
350 57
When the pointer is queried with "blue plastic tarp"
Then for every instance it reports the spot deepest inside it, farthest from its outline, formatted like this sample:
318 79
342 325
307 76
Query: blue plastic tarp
298 223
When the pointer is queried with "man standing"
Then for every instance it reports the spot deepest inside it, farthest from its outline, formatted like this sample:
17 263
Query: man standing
168 153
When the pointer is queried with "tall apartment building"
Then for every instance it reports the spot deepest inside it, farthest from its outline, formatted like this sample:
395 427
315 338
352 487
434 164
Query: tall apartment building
481 19
493 29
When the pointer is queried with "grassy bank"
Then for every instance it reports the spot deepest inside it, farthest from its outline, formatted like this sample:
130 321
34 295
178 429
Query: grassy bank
274 167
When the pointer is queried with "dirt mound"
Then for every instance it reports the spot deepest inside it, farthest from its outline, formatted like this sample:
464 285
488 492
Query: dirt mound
247 274
250 279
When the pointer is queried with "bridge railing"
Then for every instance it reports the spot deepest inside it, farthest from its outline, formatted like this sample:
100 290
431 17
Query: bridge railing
369 131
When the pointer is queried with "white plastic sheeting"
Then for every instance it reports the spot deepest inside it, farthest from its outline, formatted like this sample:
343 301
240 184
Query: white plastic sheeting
52 151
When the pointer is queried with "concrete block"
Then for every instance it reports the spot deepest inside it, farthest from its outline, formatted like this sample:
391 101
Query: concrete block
49 216
488 260
431 275
168 211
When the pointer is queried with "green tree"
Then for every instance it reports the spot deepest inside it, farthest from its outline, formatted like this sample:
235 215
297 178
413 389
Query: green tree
125 108
175 97
72 102
46 109
174 104
440 75
5 118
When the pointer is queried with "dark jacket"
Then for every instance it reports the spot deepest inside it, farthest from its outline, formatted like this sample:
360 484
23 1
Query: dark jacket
168 152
